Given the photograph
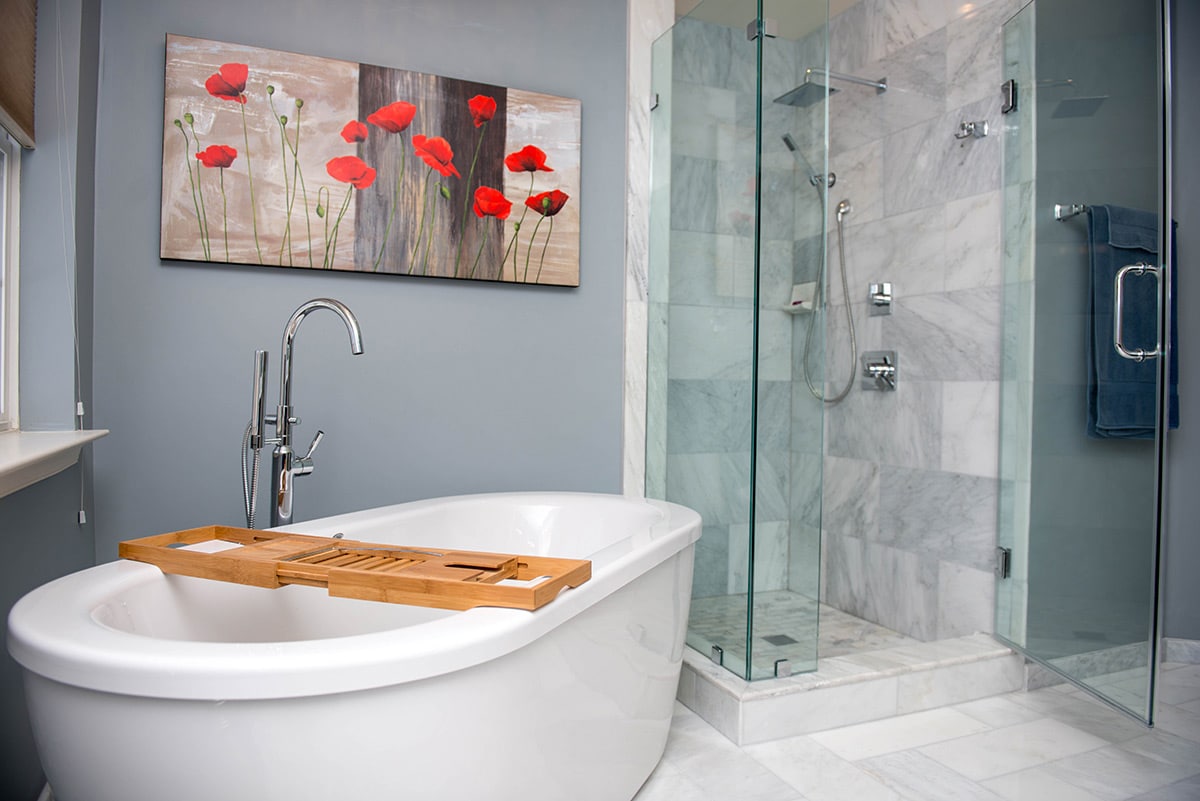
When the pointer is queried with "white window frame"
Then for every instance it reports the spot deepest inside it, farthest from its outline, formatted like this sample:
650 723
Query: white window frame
10 206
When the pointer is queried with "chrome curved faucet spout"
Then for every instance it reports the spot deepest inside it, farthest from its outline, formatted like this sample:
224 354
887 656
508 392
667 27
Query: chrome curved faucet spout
285 465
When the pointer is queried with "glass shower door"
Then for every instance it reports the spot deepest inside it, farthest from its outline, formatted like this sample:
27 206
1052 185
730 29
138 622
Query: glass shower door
738 220
1082 423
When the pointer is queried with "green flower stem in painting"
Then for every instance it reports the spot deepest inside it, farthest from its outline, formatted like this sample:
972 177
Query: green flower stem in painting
516 233
331 246
324 215
421 228
298 178
281 120
462 230
225 212
479 252
187 147
250 179
537 278
529 250
395 202
191 121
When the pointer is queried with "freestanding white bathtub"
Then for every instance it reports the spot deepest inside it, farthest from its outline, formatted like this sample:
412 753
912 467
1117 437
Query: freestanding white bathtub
143 686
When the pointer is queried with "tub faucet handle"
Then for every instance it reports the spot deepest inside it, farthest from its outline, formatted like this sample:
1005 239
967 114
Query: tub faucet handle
304 465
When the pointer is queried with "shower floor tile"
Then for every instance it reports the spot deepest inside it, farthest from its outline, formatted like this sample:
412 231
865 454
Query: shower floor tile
787 625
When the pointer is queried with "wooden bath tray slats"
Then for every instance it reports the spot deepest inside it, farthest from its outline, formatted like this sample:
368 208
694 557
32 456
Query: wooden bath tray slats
363 570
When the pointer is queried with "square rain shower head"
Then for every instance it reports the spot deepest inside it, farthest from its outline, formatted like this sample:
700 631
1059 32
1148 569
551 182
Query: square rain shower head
806 94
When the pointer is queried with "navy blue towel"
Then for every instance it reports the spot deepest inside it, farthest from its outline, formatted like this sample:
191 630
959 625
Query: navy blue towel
1122 393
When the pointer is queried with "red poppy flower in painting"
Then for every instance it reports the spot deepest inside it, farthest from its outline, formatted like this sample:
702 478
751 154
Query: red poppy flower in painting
229 82
435 151
527 159
547 203
394 117
483 108
351 170
217 156
354 131
491 203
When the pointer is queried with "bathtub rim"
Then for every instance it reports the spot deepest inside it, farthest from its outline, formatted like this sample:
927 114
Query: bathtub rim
52 632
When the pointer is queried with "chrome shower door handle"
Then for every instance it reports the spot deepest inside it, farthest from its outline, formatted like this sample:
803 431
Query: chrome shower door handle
1136 354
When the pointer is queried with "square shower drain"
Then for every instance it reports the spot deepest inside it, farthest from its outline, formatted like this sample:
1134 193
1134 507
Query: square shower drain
780 639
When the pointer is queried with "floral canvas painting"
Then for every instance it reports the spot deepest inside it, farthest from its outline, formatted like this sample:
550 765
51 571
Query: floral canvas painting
286 160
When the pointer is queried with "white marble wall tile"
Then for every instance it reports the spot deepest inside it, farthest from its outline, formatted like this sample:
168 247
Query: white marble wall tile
702 121
966 600
858 36
647 21
635 399
925 165
947 516
806 480
910 20
856 115
905 589
710 574
916 79
694 194
907 249
971 427
974 55
843 572
734 197
804 560
703 268
709 416
656 405
973 242
710 342
715 485
902 428
807 415
775 273
851 497
947 337
843 365
770 557
703 53
859 173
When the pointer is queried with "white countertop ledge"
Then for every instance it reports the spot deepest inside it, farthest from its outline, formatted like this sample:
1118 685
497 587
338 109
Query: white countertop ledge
27 457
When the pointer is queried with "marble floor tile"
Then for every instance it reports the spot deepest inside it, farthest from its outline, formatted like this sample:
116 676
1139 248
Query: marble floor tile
1025 745
919 778
899 733
818 773
1027 785
1132 763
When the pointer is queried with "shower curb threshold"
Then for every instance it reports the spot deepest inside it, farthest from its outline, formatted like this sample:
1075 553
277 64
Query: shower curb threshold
849 689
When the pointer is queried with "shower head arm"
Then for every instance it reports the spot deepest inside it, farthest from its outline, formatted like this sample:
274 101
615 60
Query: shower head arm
880 85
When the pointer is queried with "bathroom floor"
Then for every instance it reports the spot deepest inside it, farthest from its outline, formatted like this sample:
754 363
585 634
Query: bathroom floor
1053 744
784 624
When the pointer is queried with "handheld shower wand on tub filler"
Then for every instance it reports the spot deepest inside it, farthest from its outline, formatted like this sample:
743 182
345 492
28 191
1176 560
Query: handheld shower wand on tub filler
285 464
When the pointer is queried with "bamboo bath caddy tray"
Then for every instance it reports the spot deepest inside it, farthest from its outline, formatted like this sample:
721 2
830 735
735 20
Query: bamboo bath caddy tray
364 570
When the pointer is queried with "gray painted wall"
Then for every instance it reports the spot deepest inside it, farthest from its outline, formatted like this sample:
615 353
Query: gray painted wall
463 387
1182 602
45 540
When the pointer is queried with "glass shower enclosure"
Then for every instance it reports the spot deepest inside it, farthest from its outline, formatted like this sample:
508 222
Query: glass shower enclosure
1086 405
738 237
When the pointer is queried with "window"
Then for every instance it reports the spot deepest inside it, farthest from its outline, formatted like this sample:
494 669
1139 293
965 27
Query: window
10 181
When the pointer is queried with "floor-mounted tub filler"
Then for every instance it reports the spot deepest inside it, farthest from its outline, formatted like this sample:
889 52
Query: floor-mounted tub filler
143 686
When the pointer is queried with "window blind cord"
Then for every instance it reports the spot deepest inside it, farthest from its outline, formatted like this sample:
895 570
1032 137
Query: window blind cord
66 200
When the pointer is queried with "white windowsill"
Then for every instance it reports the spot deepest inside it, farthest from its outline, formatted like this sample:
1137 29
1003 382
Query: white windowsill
27 457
